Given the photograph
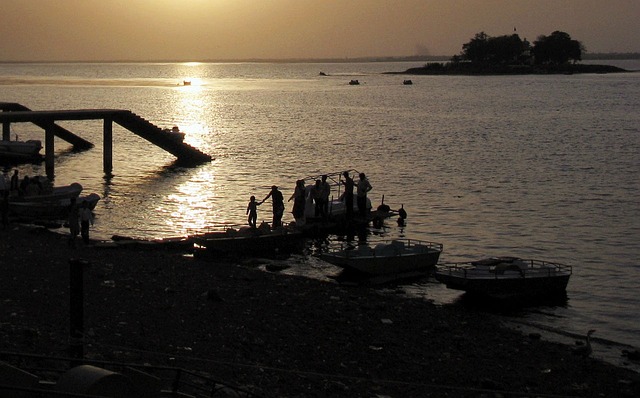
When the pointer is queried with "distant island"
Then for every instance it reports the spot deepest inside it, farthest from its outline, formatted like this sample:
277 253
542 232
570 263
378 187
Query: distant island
509 55
468 68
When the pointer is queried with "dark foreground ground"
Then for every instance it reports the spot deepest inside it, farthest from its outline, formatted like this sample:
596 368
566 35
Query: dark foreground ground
279 336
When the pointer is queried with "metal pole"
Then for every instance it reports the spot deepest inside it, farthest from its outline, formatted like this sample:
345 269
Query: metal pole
76 307
107 160
6 131
49 150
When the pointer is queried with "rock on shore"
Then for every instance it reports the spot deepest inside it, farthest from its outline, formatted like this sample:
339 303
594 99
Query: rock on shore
284 336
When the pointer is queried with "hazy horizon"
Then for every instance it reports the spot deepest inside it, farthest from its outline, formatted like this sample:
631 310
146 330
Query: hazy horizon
281 30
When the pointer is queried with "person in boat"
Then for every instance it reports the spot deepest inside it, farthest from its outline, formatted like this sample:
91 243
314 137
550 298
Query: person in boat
326 193
15 182
278 206
347 196
252 211
362 189
318 198
86 218
34 187
73 219
299 200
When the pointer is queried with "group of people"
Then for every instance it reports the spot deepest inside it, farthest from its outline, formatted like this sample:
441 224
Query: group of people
318 194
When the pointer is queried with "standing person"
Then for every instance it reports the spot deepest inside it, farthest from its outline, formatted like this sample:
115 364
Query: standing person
86 218
15 182
363 187
252 211
326 193
73 219
299 200
277 201
318 198
348 194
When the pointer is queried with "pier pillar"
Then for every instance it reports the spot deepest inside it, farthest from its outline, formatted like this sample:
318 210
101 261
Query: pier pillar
6 131
107 154
49 150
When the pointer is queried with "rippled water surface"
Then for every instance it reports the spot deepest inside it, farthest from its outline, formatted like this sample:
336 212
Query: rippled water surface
533 166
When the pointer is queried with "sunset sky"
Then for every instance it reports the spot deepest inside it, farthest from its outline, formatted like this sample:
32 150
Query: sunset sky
200 30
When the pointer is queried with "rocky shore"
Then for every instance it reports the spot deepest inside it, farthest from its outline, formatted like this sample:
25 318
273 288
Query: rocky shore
277 335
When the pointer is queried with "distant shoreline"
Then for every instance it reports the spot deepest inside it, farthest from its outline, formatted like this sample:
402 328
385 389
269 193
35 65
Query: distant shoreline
410 58
465 68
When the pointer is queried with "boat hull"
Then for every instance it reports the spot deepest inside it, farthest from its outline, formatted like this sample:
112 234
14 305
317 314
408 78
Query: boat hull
254 243
20 150
535 280
412 257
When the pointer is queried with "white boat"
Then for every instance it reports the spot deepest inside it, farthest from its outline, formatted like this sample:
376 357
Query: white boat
506 277
386 258
20 150
174 133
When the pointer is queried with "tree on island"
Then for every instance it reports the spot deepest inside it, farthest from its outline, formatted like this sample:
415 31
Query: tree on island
508 54
557 49
501 50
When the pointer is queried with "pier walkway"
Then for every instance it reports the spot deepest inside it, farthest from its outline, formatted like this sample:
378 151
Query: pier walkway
170 142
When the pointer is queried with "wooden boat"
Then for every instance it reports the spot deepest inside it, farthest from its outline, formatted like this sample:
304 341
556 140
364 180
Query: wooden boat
20 150
354 82
251 241
386 258
506 277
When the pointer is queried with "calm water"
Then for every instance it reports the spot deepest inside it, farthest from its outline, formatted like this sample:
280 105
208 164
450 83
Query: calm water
533 166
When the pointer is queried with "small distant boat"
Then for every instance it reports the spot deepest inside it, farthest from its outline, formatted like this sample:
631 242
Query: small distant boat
386 258
407 82
354 82
506 277
20 150
186 82
322 74
174 133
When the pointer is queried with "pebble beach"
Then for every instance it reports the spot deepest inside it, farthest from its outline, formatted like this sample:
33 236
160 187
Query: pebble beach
275 335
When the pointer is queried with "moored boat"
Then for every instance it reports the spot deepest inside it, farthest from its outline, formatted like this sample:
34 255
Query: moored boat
386 258
250 241
20 150
336 208
53 209
506 277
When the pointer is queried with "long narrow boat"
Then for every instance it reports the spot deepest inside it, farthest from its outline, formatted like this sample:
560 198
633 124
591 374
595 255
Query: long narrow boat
251 241
386 258
506 277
